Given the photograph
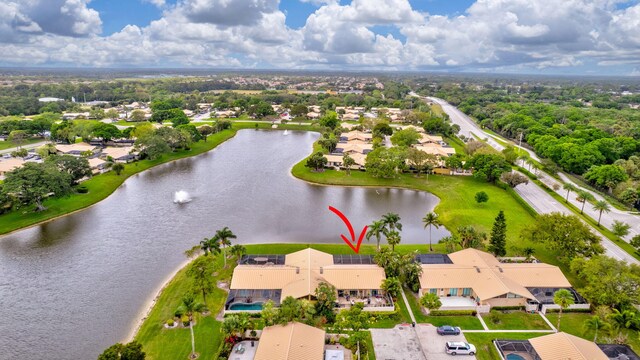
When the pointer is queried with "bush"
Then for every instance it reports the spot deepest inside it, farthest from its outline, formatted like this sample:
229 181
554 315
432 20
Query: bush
494 316
82 189
179 312
569 311
185 320
507 308
170 322
453 313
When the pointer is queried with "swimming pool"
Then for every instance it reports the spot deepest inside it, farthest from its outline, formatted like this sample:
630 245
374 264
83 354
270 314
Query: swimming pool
514 357
245 306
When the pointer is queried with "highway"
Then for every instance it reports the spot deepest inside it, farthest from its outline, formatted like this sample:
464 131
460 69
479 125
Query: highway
533 194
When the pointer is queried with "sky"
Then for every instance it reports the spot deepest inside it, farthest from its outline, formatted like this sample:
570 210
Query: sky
573 37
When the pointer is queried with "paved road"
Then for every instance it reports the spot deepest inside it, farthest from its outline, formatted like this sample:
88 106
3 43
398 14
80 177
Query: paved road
29 146
533 194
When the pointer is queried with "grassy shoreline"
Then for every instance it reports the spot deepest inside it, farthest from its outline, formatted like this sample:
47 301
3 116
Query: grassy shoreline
103 185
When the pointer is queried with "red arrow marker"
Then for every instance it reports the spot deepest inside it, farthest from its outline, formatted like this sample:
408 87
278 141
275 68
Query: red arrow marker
355 248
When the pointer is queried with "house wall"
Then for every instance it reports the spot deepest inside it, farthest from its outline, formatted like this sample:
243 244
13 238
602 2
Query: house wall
506 302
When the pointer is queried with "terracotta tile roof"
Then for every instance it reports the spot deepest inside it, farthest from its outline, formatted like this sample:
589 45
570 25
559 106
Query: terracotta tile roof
294 341
562 346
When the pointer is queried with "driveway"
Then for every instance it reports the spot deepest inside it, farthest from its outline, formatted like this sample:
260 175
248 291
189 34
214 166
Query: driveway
399 343
433 344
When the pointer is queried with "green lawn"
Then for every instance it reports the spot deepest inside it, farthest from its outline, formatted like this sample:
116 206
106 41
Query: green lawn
8 144
516 320
464 322
484 342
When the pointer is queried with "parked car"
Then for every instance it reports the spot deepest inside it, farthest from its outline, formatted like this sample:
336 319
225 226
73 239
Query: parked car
459 348
448 330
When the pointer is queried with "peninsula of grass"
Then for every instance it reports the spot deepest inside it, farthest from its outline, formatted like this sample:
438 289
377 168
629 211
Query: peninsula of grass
103 185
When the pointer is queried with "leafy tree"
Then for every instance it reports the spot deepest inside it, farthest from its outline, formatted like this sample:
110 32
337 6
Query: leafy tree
77 167
471 238
225 235
22 153
376 229
106 131
348 162
635 242
564 299
381 129
583 197
328 143
488 167
601 206
205 131
112 114
32 182
118 168
192 130
299 110
392 286
384 162
620 229
514 179
166 104
137 116
330 120
606 176
130 351
406 137
200 271
608 281
152 146
430 301
498 239
431 220
450 243
18 137
325 301
420 160
290 310
481 197
510 154
269 313
569 187
454 161
567 235
316 161
354 318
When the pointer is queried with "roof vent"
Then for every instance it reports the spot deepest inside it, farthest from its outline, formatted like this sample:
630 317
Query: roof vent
321 270
500 269
477 269
297 270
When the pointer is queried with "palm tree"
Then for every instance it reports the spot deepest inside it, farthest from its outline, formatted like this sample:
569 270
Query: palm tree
225 235
211 245
569 187
624 319
564 299
190 306
430 301
376 229
392 220
393 238
431 220
601 206
596 323
450 243
528 252
583 197
238 251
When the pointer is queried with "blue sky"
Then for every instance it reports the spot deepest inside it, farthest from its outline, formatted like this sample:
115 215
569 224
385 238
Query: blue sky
510 36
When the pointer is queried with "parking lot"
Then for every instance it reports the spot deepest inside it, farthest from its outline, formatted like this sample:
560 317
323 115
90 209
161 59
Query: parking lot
403 342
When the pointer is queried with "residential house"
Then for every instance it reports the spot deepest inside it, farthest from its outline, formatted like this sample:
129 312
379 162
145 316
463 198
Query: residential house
294 341
97 165
77 149
120 154
9 164
74 116
259 278
335 160
562 346
356 135
471 279
313 115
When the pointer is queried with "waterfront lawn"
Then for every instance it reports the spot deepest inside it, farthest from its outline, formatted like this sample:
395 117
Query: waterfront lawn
161 343
484 342
516 320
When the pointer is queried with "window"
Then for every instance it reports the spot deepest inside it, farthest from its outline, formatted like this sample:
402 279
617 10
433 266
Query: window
513 296
453 292
433 291
374 292
466 292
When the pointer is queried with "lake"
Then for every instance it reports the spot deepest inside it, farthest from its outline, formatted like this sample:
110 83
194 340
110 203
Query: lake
74 286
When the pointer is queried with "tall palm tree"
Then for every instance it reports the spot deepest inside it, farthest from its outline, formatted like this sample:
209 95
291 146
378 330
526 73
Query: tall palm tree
569 187
596 323
393 238
392 220
376 229
191 306
624 319
583 197
225 235
211 245
601 206
431 220
564 299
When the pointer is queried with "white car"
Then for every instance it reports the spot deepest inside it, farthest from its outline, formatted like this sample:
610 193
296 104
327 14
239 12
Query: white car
459 348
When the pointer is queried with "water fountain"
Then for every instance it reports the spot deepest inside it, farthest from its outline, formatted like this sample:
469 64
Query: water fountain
181 197
286 132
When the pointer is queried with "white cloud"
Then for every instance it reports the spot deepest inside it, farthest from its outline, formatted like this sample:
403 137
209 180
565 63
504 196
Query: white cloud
158 3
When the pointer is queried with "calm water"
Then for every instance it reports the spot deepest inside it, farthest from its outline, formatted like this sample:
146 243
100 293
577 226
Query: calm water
72 287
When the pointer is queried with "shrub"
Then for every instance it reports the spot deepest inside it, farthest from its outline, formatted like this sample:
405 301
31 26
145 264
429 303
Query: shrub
452 313
185 320
179 312
170 322
503 308
494 316
82 189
